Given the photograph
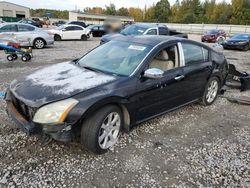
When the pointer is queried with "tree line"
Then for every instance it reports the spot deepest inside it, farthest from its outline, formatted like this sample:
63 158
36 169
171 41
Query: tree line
183 11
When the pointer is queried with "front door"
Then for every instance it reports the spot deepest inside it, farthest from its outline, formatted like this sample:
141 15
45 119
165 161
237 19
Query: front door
157 96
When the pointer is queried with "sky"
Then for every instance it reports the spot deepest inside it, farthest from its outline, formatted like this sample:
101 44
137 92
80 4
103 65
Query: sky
71 4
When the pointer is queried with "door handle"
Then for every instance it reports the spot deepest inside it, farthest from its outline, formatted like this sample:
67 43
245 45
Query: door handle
179 77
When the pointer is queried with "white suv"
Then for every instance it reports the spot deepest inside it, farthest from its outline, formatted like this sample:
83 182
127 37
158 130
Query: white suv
71 32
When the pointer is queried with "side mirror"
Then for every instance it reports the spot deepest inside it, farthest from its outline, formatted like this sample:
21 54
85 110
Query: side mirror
153 73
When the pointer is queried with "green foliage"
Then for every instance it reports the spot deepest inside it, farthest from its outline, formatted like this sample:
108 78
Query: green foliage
61 14
123 12
162 11
110 9
183 11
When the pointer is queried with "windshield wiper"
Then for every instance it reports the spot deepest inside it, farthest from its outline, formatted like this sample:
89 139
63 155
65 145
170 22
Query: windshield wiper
92 69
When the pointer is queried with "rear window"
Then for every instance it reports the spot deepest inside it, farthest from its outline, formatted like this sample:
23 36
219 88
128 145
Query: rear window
8 28
194 54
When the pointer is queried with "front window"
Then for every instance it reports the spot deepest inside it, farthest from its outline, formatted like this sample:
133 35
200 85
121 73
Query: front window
9 28
115 57
133 30
152 32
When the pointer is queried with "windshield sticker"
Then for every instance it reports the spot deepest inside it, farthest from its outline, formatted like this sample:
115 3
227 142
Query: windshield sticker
134 47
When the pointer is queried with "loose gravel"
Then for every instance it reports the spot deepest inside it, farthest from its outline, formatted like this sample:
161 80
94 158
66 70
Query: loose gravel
194 146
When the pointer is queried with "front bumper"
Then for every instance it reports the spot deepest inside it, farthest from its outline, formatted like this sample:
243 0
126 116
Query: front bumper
61 132
235 46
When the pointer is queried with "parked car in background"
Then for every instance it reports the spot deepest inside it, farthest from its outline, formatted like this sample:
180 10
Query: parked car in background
77 23
143 29
214 35
117 85
98 30
71 32
31 22
59 23
27 35
38 21
238 42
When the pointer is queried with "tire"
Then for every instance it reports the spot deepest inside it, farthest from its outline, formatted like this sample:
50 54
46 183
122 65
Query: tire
28 57
39 43
94 136
84 37
246 48
57 38
24 58
10 58
14 56
211 91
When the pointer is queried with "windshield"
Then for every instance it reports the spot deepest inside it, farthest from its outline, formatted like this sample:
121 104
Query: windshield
246 37
133 30
60 27
115 57
212 32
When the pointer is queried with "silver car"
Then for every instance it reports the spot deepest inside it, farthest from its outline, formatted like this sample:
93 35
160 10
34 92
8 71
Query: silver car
27 35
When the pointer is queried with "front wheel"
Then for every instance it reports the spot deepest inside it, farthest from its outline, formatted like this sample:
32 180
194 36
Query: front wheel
211 91
100 131
84 38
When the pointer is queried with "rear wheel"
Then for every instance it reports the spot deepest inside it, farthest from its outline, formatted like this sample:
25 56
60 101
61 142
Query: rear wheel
211 92
100 131
10 58
39 43
57 38
84 37
24 58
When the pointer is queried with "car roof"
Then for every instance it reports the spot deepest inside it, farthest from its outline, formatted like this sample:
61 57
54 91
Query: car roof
148 39
16 23
148 25
66 25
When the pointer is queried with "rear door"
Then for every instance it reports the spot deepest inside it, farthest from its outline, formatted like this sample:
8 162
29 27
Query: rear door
24 34
196 71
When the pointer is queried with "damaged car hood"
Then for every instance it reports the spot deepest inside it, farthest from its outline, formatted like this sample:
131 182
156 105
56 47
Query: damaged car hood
56 82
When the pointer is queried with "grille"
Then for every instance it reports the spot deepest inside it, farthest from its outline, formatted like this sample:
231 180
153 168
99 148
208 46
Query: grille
26 111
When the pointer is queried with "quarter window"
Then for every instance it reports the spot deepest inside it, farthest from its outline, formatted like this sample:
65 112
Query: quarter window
194 54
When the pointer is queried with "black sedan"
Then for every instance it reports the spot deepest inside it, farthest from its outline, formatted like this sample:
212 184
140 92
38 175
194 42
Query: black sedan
98 30
238 42
117 85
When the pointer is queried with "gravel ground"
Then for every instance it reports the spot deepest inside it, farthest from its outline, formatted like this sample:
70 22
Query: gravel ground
194 146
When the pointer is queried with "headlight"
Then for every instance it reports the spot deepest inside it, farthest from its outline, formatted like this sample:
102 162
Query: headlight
55 112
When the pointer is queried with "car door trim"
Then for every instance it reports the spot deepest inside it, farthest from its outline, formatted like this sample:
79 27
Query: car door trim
181 53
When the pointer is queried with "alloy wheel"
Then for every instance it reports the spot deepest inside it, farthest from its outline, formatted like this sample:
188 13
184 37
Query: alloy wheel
109 131
212 91
39 43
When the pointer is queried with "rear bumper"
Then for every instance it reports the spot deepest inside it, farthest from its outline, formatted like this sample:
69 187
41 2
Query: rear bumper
61 132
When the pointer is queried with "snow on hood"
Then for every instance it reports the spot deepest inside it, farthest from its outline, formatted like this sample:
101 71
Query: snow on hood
68 77
56 82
